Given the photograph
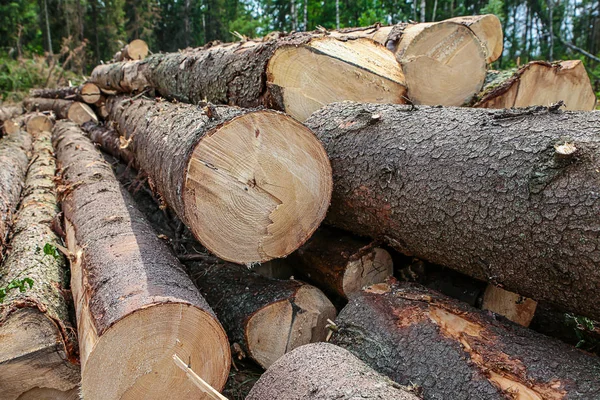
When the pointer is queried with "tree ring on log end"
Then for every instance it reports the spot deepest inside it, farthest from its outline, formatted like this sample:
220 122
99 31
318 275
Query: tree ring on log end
133 359
327 70
80 113
374 267
257 187
39 123
444 63
282 326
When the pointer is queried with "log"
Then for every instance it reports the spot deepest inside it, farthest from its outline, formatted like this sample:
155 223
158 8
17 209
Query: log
33 123
322 371
76 111
15 150
539 83
297 74
8 112
443 62
488 30
256 178
137 49
510 305
505 196
420 337
88 93
340 263
266 317
38 350
135 305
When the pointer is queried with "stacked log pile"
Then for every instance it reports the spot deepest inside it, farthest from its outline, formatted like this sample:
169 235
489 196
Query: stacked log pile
267 139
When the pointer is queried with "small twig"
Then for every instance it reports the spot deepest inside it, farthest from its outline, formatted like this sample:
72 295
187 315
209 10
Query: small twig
202 385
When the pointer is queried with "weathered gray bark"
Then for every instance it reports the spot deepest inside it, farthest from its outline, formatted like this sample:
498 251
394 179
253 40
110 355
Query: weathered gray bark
322 371
493 194
36 335
9 112
109 140
14 156
84 93
419 337
122 270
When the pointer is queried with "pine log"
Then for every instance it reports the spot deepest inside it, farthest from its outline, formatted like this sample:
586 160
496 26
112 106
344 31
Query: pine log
417 336
488 30
297 74
266 317
33 123
340 263
14 158
322 371
77 112
8 112
539 83
88 93
256 178
137 49
110 141
517 308
506 196
135 305
38 351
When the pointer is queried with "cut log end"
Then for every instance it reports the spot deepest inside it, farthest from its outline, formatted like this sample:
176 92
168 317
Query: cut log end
81 113
137 49
257 187
39 123
282 326
488 30
90 93
157 333
444 63
362 70
514 307
374 267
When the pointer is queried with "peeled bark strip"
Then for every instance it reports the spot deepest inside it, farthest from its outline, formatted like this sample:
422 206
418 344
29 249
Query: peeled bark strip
266 317
510 305
8 112
88 93
420 337
298 74
510 197
322 371
540 83
14 159
258 179
38 350
137 49
488 30
135 305
77 112
341 264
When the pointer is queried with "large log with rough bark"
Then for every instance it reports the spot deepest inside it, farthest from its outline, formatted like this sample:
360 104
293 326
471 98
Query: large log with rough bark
417 336
265 317
63 109
15 150
539 83
88 93
322 371
135 305
507 196
38 350
340 263
256 178
298 74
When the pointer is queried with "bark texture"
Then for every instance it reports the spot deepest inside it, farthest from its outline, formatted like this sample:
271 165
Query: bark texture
9 112
417 336
59 107
322 371
88 93
47 353
110 141
510 197
237 294
15 150
121 272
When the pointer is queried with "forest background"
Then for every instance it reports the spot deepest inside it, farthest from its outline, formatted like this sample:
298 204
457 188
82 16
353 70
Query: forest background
56 42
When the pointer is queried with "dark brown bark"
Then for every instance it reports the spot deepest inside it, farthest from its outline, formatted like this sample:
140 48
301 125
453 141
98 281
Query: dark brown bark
9 112
123 273
36 334
110 141
322 371
74 93
417 336
238 294
14 158
59 107
165 138
330 256
493 194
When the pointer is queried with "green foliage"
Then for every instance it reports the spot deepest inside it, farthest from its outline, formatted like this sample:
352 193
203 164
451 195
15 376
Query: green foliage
20 284
51 250
584 330
495 7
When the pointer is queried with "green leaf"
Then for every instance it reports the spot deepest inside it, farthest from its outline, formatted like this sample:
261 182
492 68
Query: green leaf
51 250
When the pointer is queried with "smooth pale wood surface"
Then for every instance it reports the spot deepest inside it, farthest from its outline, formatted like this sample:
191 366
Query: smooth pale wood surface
361 70
90 93
511 305
81 113
257 187
374 267
137 49
488 30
